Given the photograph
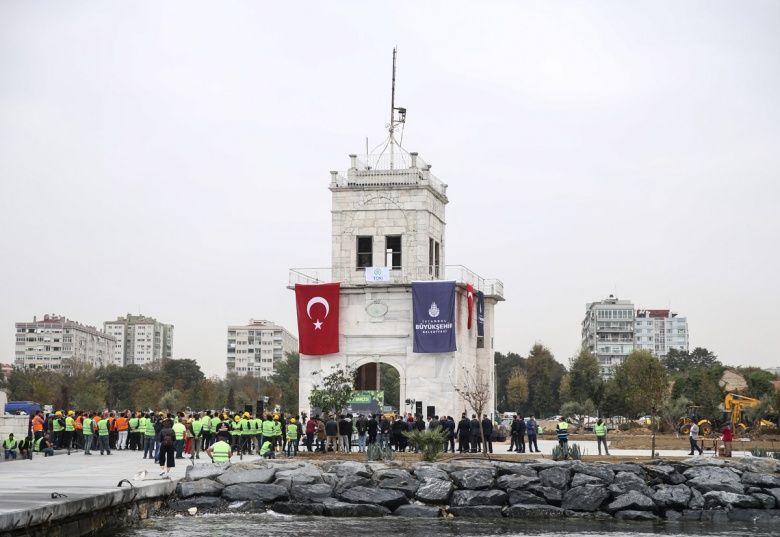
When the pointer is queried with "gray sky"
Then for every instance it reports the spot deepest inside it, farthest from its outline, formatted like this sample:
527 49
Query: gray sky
174 157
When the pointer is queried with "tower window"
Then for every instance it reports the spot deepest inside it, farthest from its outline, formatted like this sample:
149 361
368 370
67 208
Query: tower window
393 251
433 258
365 252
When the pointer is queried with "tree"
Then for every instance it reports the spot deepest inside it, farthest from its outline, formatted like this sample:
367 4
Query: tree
474 388
181 374
645 385
585 382
544 381
702 388
505 366
285 377
671 410
759 382
390 383
334 391
516 388
578 410
230 400
172 400
680 361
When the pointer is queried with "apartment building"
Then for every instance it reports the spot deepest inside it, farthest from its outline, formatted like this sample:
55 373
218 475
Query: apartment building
56 342
255 348
140 340
659 331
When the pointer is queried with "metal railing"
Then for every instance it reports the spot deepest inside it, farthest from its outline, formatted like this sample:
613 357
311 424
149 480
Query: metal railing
380 170
461 274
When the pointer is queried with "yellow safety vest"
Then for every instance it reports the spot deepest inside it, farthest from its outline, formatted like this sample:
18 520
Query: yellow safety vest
220 452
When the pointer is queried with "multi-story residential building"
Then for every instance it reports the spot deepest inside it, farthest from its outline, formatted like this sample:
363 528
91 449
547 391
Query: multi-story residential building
612 329
608 331
140 340
55 342
659 331
255 348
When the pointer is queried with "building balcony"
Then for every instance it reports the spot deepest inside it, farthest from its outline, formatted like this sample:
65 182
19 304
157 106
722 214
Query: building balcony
491 287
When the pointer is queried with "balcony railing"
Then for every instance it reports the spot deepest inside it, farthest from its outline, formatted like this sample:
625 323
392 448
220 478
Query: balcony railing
347 276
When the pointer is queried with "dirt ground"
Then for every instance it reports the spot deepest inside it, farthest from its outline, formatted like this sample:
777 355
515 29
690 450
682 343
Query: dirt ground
672 442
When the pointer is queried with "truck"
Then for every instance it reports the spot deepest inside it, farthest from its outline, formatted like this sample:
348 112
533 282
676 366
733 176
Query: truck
19 407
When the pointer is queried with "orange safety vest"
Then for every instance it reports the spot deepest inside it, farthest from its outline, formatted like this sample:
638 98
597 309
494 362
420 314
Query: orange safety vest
121 424
80 423
37 424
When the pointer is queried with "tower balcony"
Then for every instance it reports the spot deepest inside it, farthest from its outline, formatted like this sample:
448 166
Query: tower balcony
491 287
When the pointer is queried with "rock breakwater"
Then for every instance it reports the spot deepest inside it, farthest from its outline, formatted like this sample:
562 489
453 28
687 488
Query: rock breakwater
695 489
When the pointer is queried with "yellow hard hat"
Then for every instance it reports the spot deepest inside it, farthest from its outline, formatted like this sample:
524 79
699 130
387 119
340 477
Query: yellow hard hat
58 413
276 416
71 413
237 418
162 414
246 414
292 420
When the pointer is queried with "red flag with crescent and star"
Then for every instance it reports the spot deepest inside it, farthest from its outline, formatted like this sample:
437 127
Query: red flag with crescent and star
470 302
318 317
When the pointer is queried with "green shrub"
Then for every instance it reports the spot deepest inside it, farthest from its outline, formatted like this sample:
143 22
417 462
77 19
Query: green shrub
430 443
573 452
377 453
758 452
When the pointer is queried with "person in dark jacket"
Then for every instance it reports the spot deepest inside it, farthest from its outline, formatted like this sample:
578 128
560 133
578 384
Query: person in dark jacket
332 434
449 425
487 429
345 433
399 426
521 435
373 426
531 429
464 434
476 436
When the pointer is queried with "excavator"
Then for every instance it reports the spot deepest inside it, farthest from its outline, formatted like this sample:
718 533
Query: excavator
733 404
684 425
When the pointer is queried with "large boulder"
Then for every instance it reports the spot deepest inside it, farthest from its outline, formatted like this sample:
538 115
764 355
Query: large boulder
473 478
347 468
430 472
630 467
406 485
585 498
350 482
766 481
719 498
307 475
201 487
697 500
635 515
583 479
556 477
237 474
672 496
631 501
465 498
205 471
384 497
391 473
299 509
417 511
533 511
625 481
664 473
516 481
434 491
524 497
549 494
516 468
776 494
712 478
315 493
600 471
260 492
354 510
767 500
202 503
481 511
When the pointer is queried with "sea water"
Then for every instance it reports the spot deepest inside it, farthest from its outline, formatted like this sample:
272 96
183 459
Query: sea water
246 525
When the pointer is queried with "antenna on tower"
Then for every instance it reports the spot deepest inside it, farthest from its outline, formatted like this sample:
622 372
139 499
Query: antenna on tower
395 119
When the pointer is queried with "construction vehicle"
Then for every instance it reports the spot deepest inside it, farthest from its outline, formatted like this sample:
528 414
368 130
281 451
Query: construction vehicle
684 425
733 405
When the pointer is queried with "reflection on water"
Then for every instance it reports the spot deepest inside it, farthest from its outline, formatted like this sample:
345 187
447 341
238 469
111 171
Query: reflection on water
288 526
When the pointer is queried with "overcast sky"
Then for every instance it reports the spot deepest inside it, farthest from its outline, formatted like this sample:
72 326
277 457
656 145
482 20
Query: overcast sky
172 158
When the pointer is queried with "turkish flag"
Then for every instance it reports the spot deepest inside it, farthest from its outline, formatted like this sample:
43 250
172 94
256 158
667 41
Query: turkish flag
470 299
318 317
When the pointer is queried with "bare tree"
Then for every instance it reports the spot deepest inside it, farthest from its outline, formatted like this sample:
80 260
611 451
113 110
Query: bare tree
474 387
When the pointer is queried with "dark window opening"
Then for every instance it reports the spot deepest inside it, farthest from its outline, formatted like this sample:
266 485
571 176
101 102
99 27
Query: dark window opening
365 252
480 342
393 251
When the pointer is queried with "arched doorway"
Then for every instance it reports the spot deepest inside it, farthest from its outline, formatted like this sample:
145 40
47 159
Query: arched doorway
379 377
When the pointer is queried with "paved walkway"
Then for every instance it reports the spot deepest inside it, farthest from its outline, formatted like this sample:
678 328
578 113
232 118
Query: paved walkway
91 481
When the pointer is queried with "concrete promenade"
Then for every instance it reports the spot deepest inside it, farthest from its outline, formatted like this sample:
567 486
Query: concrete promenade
88 482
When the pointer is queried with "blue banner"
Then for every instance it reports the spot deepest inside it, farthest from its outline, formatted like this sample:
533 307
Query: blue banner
433 304
480 314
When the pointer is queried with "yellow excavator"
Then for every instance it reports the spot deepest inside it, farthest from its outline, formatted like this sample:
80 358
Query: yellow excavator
684 425
733 404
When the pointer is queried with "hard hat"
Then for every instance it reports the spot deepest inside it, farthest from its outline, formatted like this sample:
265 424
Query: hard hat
292 420
161 414
71 413
58 413
238 418
276 416
246 414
